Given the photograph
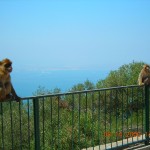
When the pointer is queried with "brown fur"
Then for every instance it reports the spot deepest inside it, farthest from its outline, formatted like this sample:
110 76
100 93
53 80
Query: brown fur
6 89
144 76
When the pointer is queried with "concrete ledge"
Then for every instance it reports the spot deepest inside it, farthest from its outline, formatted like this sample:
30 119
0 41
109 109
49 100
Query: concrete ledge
130 144
144 148
139 147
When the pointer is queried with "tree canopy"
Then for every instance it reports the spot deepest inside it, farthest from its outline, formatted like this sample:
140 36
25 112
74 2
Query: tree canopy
125 75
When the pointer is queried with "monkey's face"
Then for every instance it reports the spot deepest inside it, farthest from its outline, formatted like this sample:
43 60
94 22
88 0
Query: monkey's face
147 68
8 67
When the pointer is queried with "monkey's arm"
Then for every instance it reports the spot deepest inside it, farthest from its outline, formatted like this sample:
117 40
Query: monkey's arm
2 92
140 79
16 97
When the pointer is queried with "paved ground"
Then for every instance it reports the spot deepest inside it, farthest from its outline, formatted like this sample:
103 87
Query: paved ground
123 142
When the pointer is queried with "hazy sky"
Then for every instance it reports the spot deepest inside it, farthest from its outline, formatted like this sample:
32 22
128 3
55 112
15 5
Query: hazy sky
74 34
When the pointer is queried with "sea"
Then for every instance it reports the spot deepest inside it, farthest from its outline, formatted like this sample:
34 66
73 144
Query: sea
26 83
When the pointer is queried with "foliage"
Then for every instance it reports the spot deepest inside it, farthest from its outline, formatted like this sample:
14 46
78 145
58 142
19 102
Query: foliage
87 85
125 75
82 124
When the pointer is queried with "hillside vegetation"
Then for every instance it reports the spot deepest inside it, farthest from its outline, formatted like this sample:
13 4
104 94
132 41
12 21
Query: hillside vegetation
79 120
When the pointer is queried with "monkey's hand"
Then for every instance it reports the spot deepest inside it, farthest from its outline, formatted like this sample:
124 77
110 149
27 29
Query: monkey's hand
17 98
10 96
142 83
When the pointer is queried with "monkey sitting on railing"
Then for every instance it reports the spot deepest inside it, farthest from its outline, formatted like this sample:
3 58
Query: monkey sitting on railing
6 88
144 76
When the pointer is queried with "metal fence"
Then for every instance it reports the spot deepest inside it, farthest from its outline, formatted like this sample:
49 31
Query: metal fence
107 118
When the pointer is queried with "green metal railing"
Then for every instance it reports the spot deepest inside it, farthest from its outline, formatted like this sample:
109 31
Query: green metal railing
106 118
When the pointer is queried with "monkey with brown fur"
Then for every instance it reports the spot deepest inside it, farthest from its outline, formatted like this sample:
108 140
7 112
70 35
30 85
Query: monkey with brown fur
6 88
144 76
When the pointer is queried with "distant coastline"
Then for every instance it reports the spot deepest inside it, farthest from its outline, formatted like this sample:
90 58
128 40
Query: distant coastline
26 83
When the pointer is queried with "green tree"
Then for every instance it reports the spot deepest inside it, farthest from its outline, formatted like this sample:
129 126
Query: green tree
88 85
125 75
57 90
41 91
78 87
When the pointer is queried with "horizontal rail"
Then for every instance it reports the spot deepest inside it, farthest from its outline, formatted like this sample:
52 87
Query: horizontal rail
80 92
108 118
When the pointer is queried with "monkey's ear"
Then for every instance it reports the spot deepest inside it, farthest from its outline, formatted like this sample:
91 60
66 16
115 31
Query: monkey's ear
144 66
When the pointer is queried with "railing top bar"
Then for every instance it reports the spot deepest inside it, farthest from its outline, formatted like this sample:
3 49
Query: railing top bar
80 92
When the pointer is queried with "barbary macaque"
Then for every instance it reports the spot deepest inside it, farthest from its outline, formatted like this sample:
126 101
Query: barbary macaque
144 76
6 88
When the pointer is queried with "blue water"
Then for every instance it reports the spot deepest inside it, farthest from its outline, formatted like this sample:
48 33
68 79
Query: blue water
26 83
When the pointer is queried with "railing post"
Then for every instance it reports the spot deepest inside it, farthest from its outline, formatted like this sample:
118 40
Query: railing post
147 114
36 123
